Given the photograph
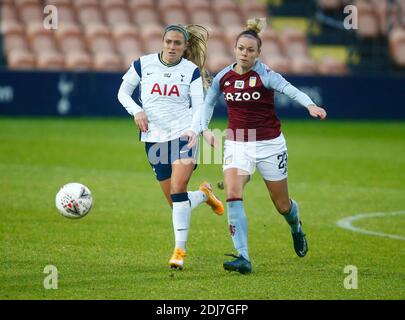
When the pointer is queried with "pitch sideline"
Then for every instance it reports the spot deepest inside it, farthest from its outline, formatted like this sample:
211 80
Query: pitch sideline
346 223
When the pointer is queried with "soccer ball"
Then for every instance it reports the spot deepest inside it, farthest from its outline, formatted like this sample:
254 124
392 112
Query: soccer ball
74 200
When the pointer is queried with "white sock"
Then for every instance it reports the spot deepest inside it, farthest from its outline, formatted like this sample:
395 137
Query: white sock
181 223
196 198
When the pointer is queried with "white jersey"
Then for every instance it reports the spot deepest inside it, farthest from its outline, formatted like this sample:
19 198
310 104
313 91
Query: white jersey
171 96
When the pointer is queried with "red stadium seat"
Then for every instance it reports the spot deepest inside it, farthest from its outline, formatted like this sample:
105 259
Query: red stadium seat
40 38
304 66
144 16
127 39
254 9
107 61
76 60
397 46
217 62
116 15
221 6
277 63
229 18
331 66
15 41
7 13
203 17
368 22
197 5
31 12
174 16
99 38
90 14
170 4
294 43
141 4
129 57
20 59
152 37
70 38
50 60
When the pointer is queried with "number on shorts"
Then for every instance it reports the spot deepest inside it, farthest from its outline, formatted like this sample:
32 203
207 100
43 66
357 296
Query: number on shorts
282 164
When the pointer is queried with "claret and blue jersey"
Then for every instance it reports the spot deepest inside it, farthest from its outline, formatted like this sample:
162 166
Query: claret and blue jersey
250 101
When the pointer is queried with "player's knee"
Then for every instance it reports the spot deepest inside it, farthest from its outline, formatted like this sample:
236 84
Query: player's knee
233 192
178 187
283 207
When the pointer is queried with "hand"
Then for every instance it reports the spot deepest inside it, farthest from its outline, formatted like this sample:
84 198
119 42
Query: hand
210 138
192 138
317 112
141 120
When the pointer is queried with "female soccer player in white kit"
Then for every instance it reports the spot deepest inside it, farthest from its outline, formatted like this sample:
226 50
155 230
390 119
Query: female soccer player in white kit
254 139
169 118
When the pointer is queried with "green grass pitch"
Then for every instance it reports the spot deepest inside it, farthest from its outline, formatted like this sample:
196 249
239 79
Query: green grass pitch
121 248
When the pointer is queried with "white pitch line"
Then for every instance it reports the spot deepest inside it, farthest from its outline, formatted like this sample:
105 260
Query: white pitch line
346 223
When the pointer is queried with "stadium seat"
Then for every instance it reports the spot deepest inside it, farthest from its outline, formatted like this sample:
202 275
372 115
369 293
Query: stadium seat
303 65
229 18
20 59
128 57
50 60
368 22
107 61
127 40
115 11
31 12
40 38
7 13
294 42
70 38
99 39
388 15
77 60
277 63
254 9
164 5
58 2
15 41
231 34
197 5
217 62
397 46
174 16
331 66
151 31
90 14
144 16
20 3
202 16
80 4
141 4
221 6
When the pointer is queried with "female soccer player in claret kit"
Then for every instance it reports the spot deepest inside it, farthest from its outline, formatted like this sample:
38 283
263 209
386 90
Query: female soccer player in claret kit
254 139
169 119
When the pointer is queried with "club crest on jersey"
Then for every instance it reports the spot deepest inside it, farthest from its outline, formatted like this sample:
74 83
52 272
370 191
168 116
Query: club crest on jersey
252 81
227 83
173 90
239 84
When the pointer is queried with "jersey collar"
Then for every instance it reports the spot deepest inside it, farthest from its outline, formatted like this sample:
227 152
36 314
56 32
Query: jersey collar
167 64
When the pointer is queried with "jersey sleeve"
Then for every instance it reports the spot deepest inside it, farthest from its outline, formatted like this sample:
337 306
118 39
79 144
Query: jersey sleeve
134 73
210 101
272 79
197 100
131 80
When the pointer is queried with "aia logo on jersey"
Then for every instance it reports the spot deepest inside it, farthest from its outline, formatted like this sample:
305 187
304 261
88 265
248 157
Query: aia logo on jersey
173 90
242 96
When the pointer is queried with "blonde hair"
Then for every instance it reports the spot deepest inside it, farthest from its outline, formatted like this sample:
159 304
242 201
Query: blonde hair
196 50
252 29
256 24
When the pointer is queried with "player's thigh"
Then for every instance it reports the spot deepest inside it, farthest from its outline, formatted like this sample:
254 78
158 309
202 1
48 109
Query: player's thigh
235 180
165 185
182 169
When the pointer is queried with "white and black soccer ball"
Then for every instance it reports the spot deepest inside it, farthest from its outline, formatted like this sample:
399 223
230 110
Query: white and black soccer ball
74 200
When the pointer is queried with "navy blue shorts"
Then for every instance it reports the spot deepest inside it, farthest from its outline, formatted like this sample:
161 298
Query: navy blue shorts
161 155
